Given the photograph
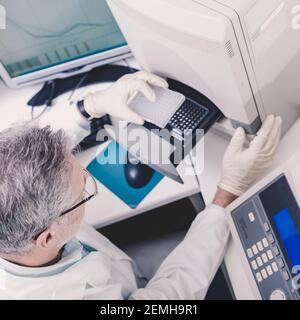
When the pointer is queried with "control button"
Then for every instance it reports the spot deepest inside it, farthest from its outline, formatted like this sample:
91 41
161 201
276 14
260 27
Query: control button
271 238
269 270
260 246
250 253
267 227
264 258
255 250
259 262
286 275
278 295
264 273
259 277
254 265
251 217
276 251
270 255
274 267
265 242
281 264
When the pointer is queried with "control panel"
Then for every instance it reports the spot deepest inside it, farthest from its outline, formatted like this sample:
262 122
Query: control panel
268 225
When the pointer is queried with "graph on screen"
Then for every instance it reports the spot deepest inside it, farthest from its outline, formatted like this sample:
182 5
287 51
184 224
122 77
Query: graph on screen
40 34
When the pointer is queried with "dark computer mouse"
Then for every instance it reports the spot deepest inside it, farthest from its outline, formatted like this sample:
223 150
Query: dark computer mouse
137 175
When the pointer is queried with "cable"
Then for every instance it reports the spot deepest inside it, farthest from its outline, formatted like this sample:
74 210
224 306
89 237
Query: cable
78 86
40 114
48 102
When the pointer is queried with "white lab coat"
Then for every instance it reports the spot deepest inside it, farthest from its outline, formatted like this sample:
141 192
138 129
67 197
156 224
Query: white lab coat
110 274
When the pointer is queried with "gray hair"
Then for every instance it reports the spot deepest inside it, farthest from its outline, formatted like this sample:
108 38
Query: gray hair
35 173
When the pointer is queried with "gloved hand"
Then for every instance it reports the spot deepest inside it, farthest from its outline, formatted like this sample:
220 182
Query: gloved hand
115 100
241 166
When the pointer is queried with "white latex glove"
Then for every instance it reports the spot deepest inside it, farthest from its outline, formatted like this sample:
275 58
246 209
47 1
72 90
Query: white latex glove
242 166
115 100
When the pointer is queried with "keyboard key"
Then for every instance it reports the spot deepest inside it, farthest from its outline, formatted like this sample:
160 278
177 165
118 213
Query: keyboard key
265 242
264 273
274 267
269 270
254 265
251 217
250 253
260 246
259 277
270 255
264 258
259 262
255 250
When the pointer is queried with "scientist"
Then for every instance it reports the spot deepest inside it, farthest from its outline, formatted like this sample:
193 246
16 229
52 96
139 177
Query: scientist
47 252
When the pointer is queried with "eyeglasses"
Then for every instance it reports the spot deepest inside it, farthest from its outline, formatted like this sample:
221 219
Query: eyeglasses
90 190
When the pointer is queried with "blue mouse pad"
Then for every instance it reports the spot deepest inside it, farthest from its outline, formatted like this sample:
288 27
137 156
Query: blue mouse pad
108 168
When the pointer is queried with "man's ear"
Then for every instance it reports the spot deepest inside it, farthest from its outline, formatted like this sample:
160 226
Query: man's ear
46 239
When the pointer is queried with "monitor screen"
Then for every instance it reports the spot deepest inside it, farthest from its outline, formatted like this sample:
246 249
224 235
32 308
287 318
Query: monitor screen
42 34
289 235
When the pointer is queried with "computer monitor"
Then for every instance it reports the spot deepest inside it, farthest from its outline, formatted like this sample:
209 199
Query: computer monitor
55 39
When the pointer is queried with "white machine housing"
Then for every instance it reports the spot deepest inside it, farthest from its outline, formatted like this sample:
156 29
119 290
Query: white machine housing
291 170
244 55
